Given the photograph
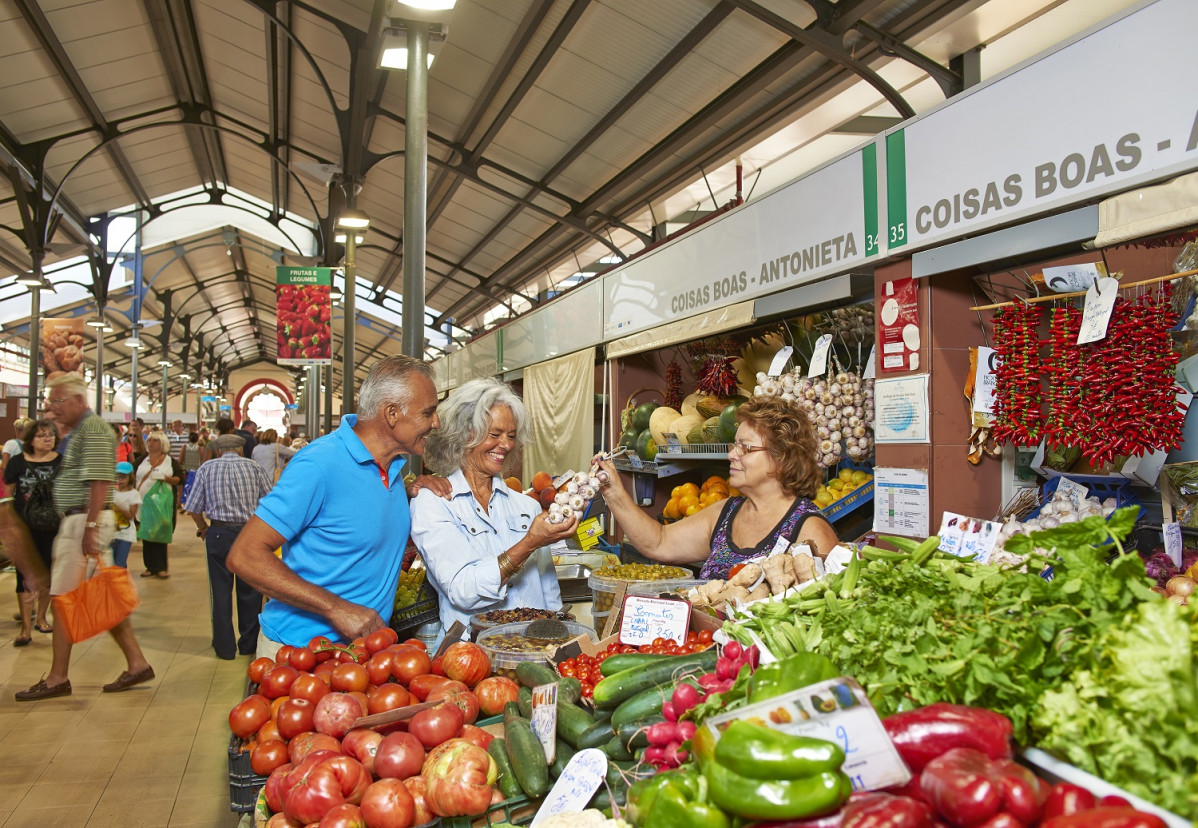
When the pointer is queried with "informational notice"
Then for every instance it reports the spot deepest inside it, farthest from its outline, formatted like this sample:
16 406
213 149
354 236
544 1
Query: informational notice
645 619
304 309
901 410
898 326
839 712
968 537
901 502
987 379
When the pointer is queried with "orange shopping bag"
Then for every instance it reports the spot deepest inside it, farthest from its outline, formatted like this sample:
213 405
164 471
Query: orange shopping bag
98 604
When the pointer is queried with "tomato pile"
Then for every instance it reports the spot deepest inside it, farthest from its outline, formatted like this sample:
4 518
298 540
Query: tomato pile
304 321
299 731
585 668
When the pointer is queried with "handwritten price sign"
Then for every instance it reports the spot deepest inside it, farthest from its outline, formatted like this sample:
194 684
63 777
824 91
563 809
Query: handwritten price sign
645 619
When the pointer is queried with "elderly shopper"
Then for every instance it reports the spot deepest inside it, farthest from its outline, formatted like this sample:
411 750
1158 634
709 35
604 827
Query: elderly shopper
271 454
340 515
159 465
82 494
486 547
221 501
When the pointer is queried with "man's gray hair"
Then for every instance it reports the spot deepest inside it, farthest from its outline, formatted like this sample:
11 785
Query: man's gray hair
389 381
69 384
465 420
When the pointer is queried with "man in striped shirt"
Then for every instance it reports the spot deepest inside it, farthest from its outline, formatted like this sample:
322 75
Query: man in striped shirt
82 494
222 499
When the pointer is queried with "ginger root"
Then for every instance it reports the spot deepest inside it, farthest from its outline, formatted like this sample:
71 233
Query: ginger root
747 576
804 567
780 572
762 591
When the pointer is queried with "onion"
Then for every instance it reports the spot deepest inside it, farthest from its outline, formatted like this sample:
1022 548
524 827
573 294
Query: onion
1159 590
1179 599
1180 585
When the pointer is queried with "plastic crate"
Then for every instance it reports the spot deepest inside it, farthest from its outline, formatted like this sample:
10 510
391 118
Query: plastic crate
1100 487
409 619
244 784
518 811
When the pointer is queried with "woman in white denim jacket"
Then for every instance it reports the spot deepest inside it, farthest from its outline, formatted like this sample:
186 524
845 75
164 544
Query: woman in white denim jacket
484 546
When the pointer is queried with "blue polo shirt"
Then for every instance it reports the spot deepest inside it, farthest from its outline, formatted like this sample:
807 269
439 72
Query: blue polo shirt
345 530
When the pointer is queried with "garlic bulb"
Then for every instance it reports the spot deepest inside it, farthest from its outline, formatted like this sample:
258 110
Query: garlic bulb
594 482
587 493
577 502
581 478
561 498
572 487
555 518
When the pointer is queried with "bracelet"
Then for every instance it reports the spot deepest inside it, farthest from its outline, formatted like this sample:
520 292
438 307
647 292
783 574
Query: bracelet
507 567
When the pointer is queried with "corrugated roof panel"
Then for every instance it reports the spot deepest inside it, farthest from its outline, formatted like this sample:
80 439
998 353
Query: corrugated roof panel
623 43
73 21
235 102
328 48
526 149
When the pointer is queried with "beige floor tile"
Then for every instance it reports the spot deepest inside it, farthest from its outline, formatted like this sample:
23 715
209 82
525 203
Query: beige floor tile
141 813
9 720
11 774
28 754
12 794
146 762
61 794
209 809
65 816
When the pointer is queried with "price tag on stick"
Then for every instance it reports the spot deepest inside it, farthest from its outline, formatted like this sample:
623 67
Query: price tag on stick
780 360
574 788
1173 542
819 356
1100 301
544 718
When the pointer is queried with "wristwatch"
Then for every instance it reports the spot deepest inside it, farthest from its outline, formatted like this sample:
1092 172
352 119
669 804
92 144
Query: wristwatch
91 524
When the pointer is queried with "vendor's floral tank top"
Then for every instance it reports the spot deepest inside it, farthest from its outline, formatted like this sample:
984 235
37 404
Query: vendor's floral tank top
725 555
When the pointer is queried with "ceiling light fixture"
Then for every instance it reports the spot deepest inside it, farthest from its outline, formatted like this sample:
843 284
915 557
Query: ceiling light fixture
165 363
97 322
421 6
133 342
341 238
395 39
353 219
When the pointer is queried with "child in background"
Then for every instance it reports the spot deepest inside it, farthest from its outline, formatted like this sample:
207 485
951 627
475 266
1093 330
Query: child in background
125 502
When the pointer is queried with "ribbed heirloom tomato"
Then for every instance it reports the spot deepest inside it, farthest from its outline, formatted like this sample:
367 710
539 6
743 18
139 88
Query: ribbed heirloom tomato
467 663
494 692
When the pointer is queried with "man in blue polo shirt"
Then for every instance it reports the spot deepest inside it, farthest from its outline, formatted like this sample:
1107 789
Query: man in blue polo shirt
341 516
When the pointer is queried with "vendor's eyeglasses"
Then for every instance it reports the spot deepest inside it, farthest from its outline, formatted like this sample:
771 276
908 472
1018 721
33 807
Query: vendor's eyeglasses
744 448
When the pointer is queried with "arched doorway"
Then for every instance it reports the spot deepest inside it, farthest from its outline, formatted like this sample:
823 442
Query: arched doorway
265 402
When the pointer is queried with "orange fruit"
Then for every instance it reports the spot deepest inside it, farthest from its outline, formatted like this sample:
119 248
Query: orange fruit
677 492
690 489
671 510
687 502
690 510
541 480
711 481
733 491
514 483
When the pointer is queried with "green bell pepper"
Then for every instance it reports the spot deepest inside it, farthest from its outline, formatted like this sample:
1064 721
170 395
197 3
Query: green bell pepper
674 799
764 753
768 799
791 673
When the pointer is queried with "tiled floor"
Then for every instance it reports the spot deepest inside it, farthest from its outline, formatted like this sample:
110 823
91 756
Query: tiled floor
155 755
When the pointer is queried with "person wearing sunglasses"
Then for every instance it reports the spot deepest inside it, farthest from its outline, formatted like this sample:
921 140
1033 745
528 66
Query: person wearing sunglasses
773 463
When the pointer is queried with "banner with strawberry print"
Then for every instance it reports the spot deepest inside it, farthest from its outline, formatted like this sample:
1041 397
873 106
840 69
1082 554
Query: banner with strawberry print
304 315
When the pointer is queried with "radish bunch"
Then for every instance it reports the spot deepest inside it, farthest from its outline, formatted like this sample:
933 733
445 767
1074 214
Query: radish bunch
840 407
665 744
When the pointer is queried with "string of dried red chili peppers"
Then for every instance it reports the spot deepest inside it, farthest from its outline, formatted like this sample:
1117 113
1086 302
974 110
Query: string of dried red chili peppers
1017 393
1063 370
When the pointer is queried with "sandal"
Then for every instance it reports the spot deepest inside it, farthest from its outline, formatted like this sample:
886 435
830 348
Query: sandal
22 641
164 574
148 574
43 628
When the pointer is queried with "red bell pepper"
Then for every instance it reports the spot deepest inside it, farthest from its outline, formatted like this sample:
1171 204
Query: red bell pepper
1106 818
1065 799
922 735
1112 801
881 810
969 790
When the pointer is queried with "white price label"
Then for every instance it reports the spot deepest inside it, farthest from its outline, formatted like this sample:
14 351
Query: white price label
1076 492
1071 278
871 369
1173 544
645 619
1100 301
837 711
780 360
819 356
574 788
544 718
673 444
986 380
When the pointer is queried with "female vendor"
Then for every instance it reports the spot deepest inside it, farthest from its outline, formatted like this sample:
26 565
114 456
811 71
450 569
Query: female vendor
772 463
484 546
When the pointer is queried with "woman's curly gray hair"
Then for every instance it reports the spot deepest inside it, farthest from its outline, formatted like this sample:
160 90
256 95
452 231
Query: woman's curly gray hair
465 419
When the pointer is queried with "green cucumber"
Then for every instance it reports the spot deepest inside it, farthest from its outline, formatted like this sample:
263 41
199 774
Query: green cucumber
527 757
572 722
535 673
524 699
621 686
603 714
569 689
562 754
616 750
646 703
632 735
596 735
507 783
511 710
626 661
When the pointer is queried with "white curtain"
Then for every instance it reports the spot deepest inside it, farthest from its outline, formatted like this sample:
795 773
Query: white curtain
1148 211
560 398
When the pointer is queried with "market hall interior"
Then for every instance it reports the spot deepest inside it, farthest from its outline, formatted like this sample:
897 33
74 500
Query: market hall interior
155 755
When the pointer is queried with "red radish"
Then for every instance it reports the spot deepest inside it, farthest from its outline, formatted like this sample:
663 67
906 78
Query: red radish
675 755
732 650
754 656
655 755
709 680
686 731
662 733
685 697
669 712
724 669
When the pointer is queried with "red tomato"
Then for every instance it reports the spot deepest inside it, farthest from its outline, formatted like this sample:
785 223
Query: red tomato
417 643
283 654
322 646
567 671
399 756
336 713
302 659
349 677
258 668
332 782
494 692
379 667
294 717
467 663
437 667
457 693
418 786
387 697
409 663
299 748
248 716
705 636
324 671
278 680
436 724
388 804
267 756
308 686
269 731
421 686
362 744
476 736
345 815
378 640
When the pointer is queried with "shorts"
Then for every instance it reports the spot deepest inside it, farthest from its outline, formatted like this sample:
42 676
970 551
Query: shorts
70 566
267 648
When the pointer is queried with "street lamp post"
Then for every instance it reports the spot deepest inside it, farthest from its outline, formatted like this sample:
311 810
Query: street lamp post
166 364
186 379
101 327
352 221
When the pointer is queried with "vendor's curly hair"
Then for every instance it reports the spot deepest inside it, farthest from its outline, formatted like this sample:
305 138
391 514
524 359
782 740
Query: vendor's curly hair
788 435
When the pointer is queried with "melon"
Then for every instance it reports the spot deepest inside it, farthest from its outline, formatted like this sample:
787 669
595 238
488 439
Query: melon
660 421
646 446
711 430
683 425
712 406
728 422
641 414
690 404
695 436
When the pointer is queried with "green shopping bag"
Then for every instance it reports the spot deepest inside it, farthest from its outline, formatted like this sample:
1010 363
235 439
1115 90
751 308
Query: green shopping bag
155 514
